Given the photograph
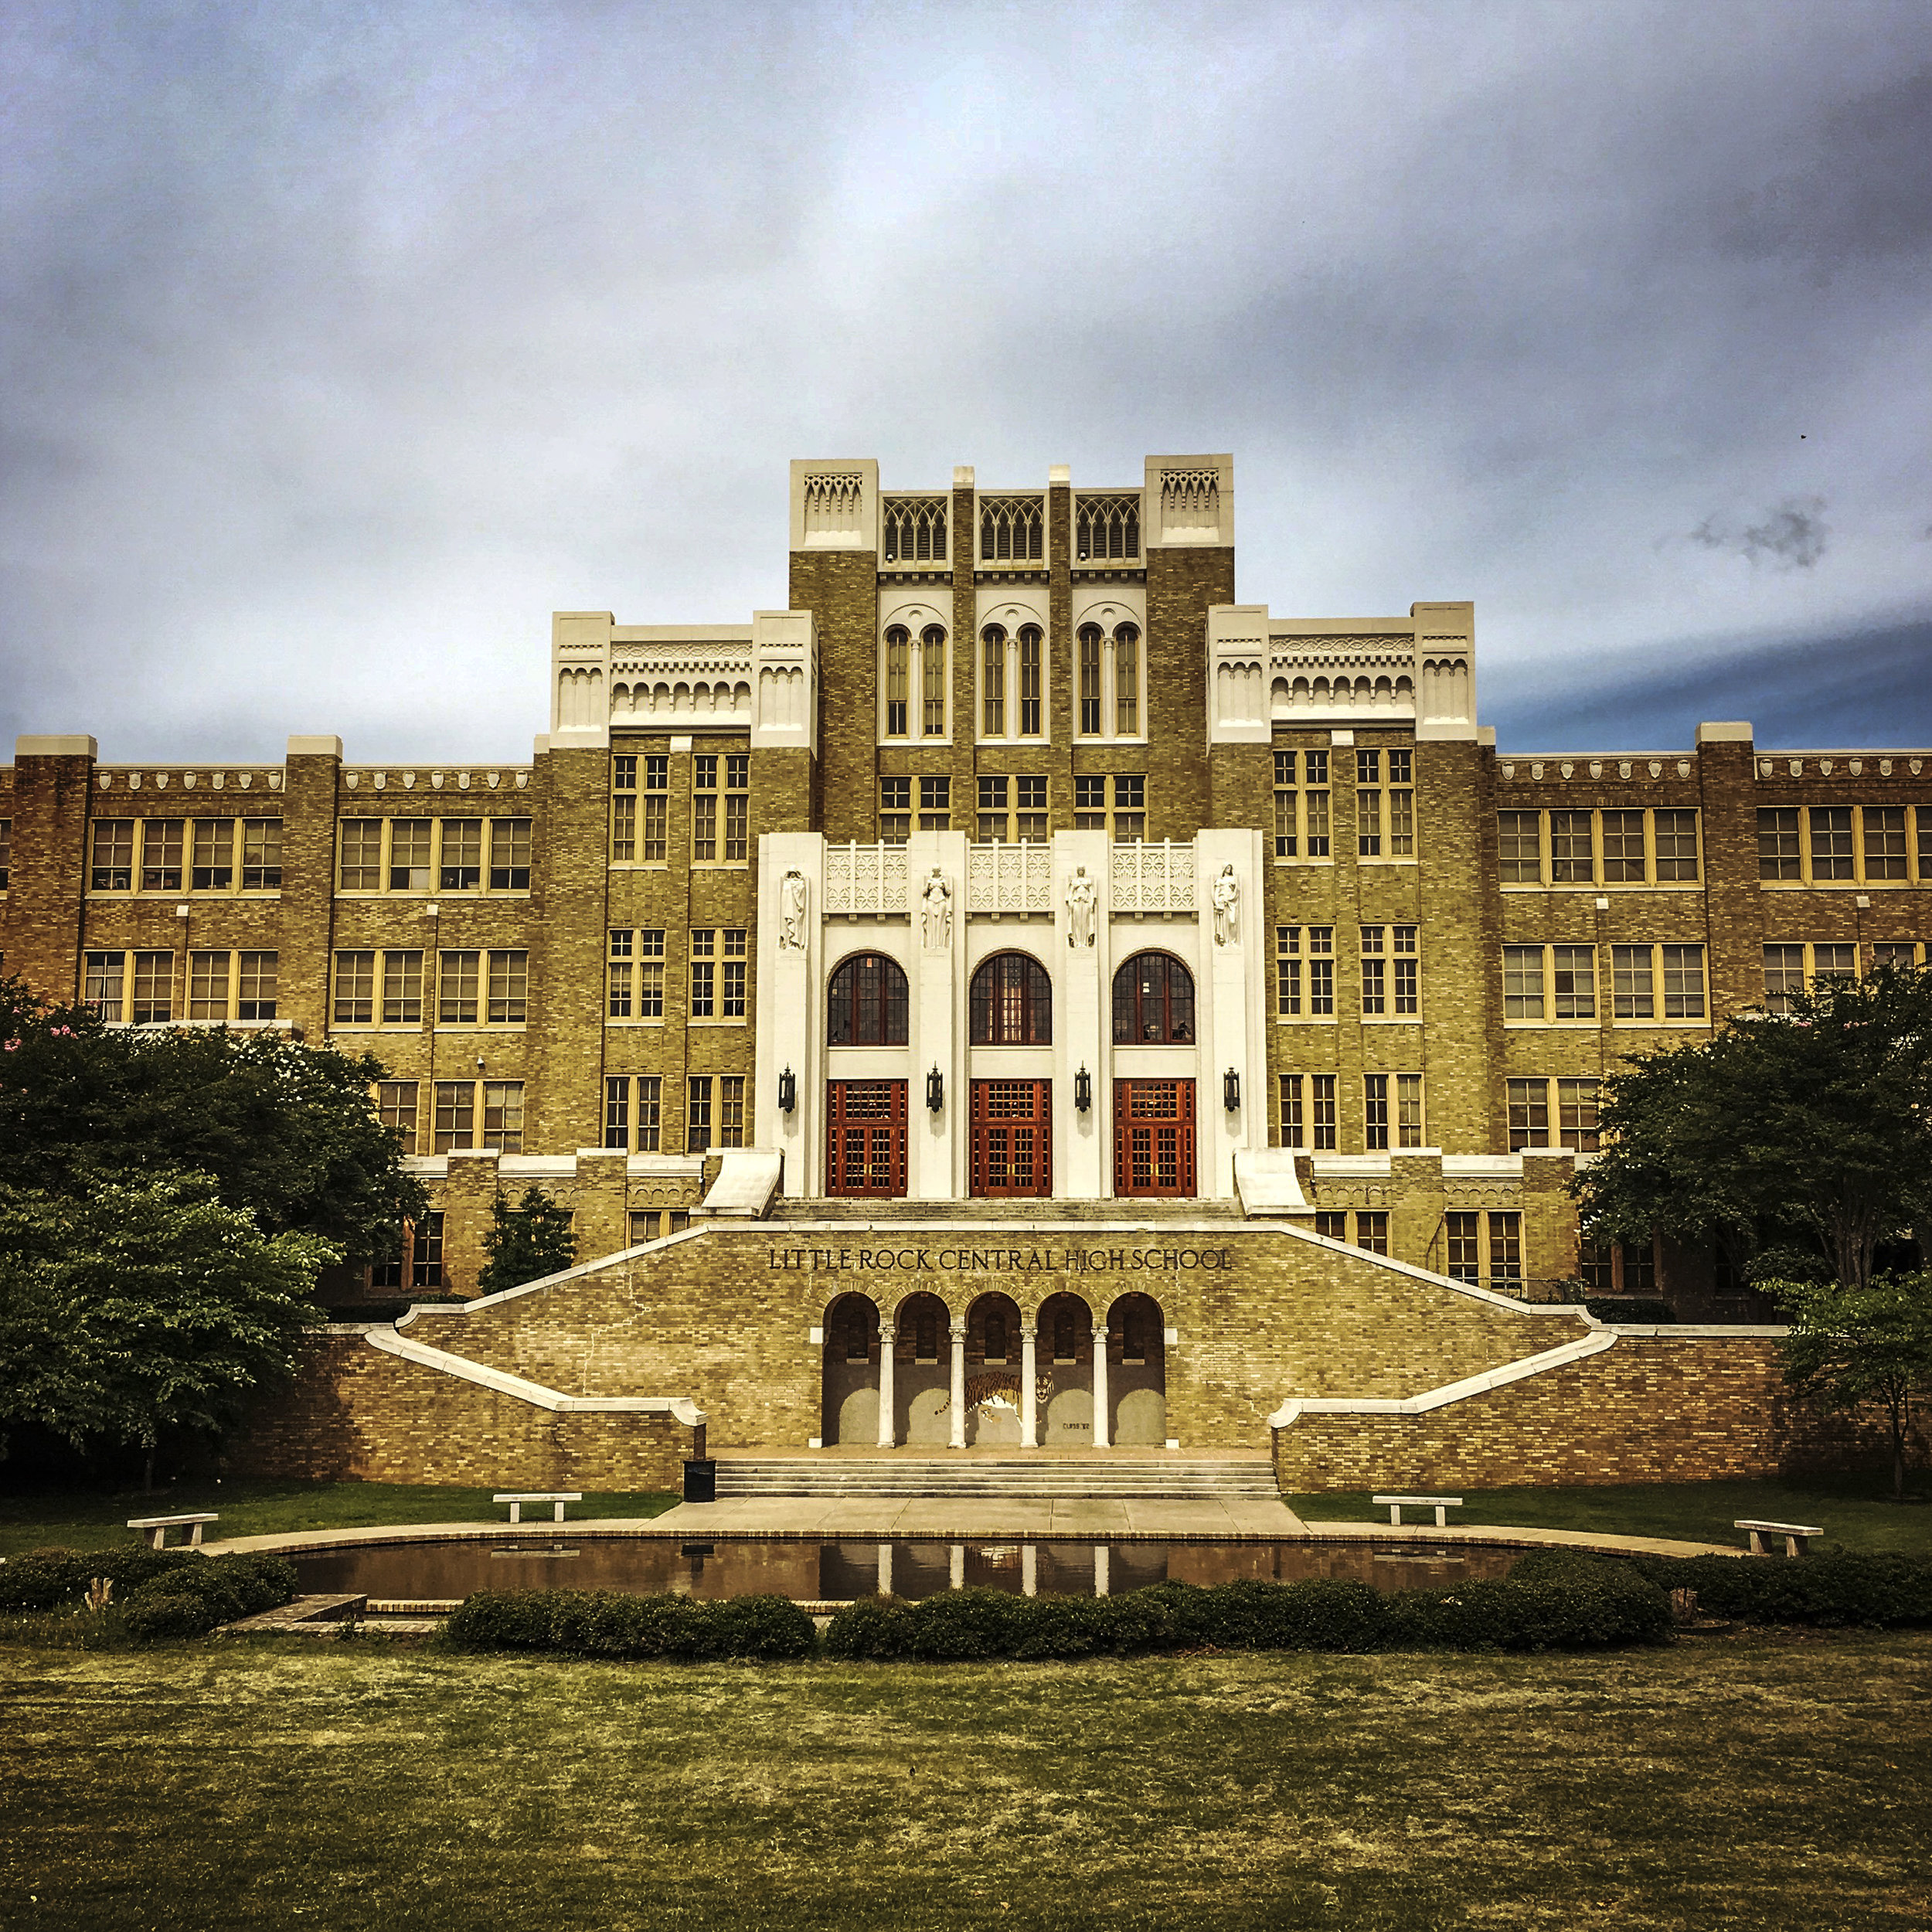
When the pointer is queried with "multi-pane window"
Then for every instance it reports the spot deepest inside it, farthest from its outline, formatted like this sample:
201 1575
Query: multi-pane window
898 655
1778 856
1522 982
368 984
6 851
1675 834
1577 1115
634 1113
737 806
1884 829
656 802
224 986
151 990
1407 971
211 854
1106 527
425 1252
915 530
704 972
1110 673
494 985
1375 972
935 804
1831 830
731 1109
1028 646
634 986
1122 811
1623 846
1895 952
992 683
1519 845
1009 682
895 811
1637 972
908 665
454 1124
1301 804
1557 982
1408 1110
653 1224
1476 1245
1788 969
457 978
624 808
932 656
1505 1252
113 869
731 996
1010 529
461 869
1389 953
1321 972
503 1115
1575 981
1385 802
697 1115
395 1102
704 806
1784 976
409 853
213 844
1307 1112
261 867
1127 681
1332 1223
402 987
509 855
1371 1230
1011 811
1462 1242
1288 975
161 848
354 989
1572 858
486 1114
103 985
1089 650
1377 1120
508 989
208 985
1529 1104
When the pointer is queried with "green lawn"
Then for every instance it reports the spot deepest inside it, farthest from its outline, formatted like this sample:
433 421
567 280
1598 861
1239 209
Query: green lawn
1855 1511
1767 1781
262 1508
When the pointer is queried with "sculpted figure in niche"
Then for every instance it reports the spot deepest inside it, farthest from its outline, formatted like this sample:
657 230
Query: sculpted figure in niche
1227 908
1082 896
937 904
791 911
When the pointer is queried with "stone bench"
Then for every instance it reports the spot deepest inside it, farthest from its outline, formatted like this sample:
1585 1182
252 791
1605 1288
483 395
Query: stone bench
516 1499
1396 1505
1797 1535
156 1527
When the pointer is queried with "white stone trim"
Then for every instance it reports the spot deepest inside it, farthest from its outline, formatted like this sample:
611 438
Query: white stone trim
680 1408
1296 1406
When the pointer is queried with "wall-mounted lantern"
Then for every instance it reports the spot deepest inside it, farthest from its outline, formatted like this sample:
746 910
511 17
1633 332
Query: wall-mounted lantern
1083 1091
787 1091
935 1089
1231 1091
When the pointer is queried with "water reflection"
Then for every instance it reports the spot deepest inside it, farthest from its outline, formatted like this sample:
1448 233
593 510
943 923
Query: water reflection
815 1572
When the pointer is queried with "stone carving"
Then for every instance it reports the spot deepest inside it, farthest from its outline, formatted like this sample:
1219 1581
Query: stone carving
1226 894
791 911
936 912
1082 896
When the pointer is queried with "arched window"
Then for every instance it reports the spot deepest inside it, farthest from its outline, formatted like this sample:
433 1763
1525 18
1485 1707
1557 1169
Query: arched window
1090 642
1153 1002
899 651
992 682
1013 1003
1127 681
865 1005
1066 1333
932 652
1029 681
996 1335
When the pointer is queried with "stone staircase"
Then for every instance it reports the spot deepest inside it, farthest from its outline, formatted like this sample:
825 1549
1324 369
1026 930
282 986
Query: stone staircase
885 1213
1100 1474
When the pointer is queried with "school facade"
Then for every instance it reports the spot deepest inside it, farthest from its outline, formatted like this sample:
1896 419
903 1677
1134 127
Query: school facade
1016 875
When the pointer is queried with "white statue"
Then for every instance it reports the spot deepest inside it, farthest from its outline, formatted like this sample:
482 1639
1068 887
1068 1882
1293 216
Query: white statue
791 911
1082 896
1227 908
936 903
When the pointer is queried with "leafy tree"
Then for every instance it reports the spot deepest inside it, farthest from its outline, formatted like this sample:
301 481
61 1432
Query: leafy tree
1799 1143
286 1129
1850 1347
526 1243
145 1306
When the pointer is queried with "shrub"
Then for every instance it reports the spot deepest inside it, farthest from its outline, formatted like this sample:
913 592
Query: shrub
1325 1614
43 1578
766 1627
157 1611
610 1623
1883 1592
502 1620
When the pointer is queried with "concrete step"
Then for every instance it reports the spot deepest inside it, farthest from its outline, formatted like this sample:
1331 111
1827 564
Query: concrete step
984 1477
1134 1213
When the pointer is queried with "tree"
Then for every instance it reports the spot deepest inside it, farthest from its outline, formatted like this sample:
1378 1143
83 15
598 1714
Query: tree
285 1130
526 1243
1799 1143
1849 1347
147 1307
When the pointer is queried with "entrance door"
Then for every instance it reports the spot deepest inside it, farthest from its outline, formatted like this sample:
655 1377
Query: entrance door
1154 1137
865 1137
1012 1137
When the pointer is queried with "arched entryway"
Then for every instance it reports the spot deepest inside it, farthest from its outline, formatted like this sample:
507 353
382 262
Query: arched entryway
1065 1374
1136 1372
851 1373
995 1401
921 1374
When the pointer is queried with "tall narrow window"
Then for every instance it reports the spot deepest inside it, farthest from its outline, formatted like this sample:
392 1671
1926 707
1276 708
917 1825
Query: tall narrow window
455 1123
657 808
895 811
354 989
1778 856
6 851
731 1109
1375 967
1402 803
1632 993
1623 847
1408 989
261 855
1127 681
1408 1111
1676 845
1885 842
620 994
732 988
935 804
509 855
650 1113
1287 833
1029 681
704 972
737 806
1322 972
1572 861
509 989
992 683
105 983
1130 809
402 988
899 653
1089 643
1288 975
993 825
1462 1240
408 855
1505 1252
462 869
616 1113
1292 1128
1367 802
503 1115
697 1117
160 840
1375 1110
256 974
1029 811
704 806
1683 982
624 809
1575 982
211 863
1315 804
457 988
208 985
1577 1115
1522 982
113 870
1321 1112
154 989
1518 838
1830 841
932 660
1529 1113
396 1108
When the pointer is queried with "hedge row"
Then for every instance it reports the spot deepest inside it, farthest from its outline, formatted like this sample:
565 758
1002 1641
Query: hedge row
603 1623
162 1592
1880 1592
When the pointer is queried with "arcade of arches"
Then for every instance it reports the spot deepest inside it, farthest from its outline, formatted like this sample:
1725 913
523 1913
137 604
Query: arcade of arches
1011 1122
918 1376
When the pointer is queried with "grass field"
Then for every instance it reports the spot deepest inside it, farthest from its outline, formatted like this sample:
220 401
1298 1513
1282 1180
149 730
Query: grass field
1855 1511
1767 1780
262 1508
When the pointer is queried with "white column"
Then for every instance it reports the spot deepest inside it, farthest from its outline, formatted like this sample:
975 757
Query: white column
1028 1570
1099 1383
885 1569
956 1568
1231 1010
1028 1389
792 1030
888 1336
1103 1569
957 1438
1080 1022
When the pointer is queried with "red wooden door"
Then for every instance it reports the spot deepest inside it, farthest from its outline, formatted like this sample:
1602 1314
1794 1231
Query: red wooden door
1154 1137
865 1137
1012 1137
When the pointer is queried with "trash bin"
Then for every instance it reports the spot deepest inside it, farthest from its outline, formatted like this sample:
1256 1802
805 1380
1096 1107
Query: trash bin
701 1481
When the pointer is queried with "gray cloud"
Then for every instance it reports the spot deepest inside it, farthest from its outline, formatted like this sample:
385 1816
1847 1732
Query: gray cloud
344 342
1793 535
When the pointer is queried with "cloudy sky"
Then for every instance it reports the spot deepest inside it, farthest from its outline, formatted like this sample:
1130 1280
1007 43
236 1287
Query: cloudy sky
344 342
